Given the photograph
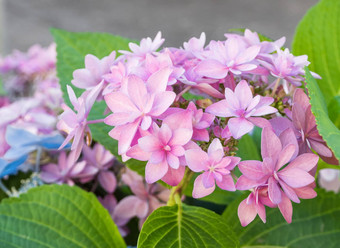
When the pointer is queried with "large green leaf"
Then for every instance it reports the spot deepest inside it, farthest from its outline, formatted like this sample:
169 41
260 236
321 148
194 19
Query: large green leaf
186 226
329 132
71 50
334 110
318 36
57 216
247 149
315 224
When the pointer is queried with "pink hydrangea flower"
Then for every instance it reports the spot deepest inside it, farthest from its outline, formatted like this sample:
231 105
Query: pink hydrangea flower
91 75
99 161
241 106
65 171
137 107
165 146
145 200
216 168
283 184
254 205
227 57
76 124
195 46
146 46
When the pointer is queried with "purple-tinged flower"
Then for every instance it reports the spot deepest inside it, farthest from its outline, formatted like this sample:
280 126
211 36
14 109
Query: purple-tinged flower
329 179
99 161
200 122
137 107
92 74
146 46
76 124
110 202
65 171
195 46
241 106
216 168
252 38
225 57
282 183
304 125
145 200
284 65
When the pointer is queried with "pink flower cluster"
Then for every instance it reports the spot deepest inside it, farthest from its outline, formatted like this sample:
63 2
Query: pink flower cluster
241 82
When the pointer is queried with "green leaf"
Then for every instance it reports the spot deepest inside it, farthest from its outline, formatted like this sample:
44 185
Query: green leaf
185 226
315 224
57 216
188 96
329 132
318 36
334 111
247 149
71 51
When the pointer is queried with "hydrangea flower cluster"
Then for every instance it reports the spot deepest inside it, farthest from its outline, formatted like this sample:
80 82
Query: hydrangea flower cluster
184 110
32 141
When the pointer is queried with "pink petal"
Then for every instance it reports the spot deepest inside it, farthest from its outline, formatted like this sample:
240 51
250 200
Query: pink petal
157 156
274 191
288 137
261 210
118 119
295 177
181 119
180 136
165 134
137 91
270 144
243 94
129 207
289 192
239 127
285 156
246 212
158 81
137 153
305 192
265 110
154 172
220 109
177 151
306 162
107 180
244 183
200 135
232 99
50 173
196 159
174 177
215 146
299 116
146 122
149 143
73 98
208 179
320 148
301 98
199 190
162 102
280 124
227 183
127 134
119 102
212 68
172 160
260 122
251 169
286 208
248 55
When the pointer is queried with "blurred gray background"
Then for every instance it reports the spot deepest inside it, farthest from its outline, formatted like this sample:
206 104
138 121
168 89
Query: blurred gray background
26 22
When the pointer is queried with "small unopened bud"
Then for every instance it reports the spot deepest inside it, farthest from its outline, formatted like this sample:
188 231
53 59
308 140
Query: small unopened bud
204 103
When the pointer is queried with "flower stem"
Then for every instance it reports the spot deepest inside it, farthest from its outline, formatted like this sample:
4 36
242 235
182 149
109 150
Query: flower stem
37 160
275 86
182 92
177 191
95 121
